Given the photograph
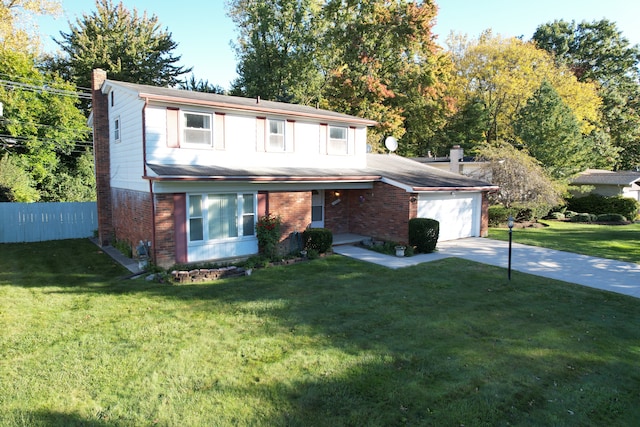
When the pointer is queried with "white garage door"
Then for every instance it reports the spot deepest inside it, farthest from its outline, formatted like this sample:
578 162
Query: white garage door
458 213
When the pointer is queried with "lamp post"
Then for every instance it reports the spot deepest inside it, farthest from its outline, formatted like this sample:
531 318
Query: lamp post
510 225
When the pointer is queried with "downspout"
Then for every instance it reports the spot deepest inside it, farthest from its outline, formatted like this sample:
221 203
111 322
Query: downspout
151 195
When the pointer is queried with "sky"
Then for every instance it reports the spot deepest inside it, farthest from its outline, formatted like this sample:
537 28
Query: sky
205 33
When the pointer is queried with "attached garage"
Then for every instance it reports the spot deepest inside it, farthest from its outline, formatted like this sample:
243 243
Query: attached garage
459 213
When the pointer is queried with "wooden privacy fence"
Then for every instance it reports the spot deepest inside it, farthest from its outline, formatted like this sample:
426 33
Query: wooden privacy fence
37 222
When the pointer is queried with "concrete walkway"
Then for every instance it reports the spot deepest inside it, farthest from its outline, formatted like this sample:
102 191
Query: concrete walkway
600 273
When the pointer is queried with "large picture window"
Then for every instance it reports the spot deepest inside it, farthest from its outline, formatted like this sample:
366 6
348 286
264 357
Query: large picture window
221 216
197 128
337 140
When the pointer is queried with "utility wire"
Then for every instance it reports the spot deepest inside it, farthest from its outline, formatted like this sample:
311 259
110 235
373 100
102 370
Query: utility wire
43 89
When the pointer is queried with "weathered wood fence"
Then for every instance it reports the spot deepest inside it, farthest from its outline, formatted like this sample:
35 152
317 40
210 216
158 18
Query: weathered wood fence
38 222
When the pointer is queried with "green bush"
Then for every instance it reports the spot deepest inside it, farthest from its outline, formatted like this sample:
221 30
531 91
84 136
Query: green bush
584 217
423 234
556 215
317 239
499 214
598 205
611 218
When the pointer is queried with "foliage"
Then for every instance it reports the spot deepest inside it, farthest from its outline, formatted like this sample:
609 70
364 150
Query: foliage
499 214
583 217
370 58
317 239
597 52
268 234
130 47
423 234
500 74
611 218
276 49
200 86
18 30
596 204
522 181
43 131
16 184
551 134
337 341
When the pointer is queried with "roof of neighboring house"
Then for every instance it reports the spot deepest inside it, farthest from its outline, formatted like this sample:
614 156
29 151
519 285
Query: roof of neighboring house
237 103
604 177
392 169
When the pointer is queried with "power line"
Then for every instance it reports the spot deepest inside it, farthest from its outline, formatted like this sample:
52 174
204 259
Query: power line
33 80
43 89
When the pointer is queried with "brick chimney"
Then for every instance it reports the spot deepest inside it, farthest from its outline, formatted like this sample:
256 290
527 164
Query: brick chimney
455 157
100 105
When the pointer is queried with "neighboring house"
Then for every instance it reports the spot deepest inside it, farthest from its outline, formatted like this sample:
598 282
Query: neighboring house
607 183
456 162
192 172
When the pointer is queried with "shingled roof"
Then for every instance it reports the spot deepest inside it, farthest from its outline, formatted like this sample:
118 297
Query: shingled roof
233 103
392 169
605 177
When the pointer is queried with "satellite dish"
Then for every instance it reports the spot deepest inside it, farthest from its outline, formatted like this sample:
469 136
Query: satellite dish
391 143
369 148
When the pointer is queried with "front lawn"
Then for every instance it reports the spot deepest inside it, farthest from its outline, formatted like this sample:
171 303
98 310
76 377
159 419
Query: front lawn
328 342
621 242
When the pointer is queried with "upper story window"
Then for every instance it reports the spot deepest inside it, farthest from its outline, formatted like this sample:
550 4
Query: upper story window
276 135
337 140
197 128
116 129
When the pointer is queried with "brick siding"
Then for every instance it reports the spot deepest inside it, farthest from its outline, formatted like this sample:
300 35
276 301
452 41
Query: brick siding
165 244
294 208
132 216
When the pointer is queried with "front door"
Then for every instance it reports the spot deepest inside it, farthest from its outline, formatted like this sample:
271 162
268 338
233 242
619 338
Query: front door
317 209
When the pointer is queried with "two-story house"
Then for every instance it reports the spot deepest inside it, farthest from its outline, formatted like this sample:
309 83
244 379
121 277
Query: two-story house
192 172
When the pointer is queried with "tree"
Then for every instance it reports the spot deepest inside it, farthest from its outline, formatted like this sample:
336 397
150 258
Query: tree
200 86
523 182
380 58
594 51
129 47
369 58
42 131
277 49
551 134
17 29
597 52
502 73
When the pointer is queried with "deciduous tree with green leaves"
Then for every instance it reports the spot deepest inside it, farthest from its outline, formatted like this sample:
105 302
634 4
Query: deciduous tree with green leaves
598 52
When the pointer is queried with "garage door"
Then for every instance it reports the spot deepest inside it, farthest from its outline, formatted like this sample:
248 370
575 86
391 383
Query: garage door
458 213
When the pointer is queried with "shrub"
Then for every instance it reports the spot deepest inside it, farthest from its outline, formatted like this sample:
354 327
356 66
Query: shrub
423 234
268 233
498 214
317 239
611 218
584 217
556 215
597 204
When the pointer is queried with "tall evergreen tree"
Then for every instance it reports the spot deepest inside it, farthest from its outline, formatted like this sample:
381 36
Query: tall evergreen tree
551 133
129 46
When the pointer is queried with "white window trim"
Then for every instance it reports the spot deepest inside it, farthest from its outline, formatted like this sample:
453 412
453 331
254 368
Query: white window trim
346 141
183 128
269 148
205 218
117 129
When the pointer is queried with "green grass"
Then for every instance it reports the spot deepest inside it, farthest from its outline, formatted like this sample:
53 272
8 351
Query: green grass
621 242
329 342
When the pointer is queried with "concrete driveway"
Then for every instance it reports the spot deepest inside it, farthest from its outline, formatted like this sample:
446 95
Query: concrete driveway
600 273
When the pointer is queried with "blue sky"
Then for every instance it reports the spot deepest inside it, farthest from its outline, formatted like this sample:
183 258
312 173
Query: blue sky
204 32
